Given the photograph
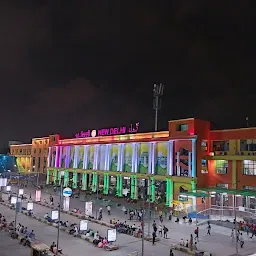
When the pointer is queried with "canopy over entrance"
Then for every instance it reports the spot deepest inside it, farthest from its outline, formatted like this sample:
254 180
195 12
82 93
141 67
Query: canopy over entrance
229 191
195 194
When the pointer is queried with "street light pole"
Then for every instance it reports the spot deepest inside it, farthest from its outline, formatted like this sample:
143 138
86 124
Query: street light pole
59 209
158 91
16 205
143 224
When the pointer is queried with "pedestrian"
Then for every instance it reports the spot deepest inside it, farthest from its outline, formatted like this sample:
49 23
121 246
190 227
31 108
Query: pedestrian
171 253
160 230
209 229
108 209
161 219
232 236
165 231
241 239
197 234
153 238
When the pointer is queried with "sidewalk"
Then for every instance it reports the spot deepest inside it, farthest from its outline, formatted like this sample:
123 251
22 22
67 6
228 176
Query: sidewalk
76 246
219 243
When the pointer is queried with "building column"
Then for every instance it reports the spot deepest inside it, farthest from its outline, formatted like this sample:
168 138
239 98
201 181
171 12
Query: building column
106 184
153 158
119 157
85 163
84 181
151 189
193 189
94 182
74 183
193 171
108 155
178 164
169 192
54 176
66 178
48 177
96 157
149 157
136 157
59 177
189 164
170 158
234 175
134 187
119 185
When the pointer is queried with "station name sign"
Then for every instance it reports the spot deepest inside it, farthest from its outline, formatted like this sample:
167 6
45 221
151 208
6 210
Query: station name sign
109 131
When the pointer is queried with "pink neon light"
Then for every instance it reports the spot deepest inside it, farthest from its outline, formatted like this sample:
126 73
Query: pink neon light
108 131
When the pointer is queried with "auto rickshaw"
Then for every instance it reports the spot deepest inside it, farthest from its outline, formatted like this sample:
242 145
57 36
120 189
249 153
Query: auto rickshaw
40 249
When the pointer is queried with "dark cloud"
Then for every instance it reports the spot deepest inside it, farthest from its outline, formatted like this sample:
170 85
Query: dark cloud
66 66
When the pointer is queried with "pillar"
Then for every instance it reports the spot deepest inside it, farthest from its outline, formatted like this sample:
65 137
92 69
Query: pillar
151 189
119 185
178 164
66 178
189 164
170 158
193 171
59 177
54 176
193 189
169 192
234 175
74 183
134 187
48 177
106 184
153 158
94 182
84 181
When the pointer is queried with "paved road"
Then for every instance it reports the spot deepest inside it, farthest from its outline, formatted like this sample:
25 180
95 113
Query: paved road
76 246
9 246
219 243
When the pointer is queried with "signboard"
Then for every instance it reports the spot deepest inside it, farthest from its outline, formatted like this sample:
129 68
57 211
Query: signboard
66 202
111 235
30 206
67 192
21 191
88 208
38 195
3 182
109 131
83 225
13 200
55 215
8 188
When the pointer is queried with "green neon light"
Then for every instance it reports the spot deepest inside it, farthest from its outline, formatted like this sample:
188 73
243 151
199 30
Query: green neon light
167 192
152 196
84 181
135 187
74 185
132 187
66 178
55 176
48 177
120 185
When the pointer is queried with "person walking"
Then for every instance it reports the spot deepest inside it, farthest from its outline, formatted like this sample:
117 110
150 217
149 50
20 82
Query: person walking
153 238
197 234
241 239
165 231
209 229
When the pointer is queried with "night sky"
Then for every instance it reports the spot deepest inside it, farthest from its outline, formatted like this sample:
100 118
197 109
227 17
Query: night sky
67 66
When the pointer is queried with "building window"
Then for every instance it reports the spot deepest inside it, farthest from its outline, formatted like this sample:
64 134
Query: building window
181 127
220 145
249 167
221 166
204 145
204 171
248 145
249 188
220 185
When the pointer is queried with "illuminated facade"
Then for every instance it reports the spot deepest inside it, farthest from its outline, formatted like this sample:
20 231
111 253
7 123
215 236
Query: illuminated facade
186 157
31 157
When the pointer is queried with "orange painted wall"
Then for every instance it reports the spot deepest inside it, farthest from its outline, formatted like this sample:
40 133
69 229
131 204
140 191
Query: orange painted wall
246 133
214 178
244 180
